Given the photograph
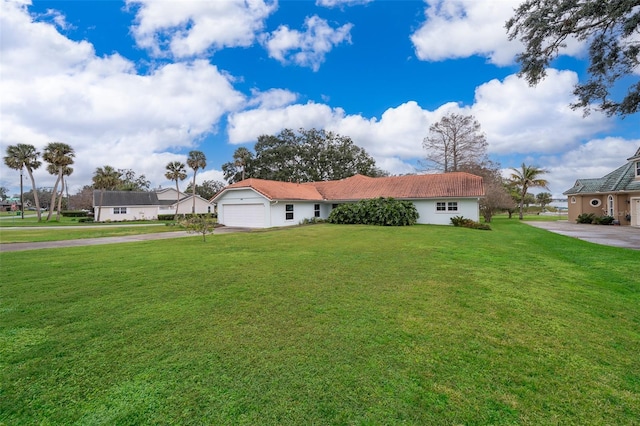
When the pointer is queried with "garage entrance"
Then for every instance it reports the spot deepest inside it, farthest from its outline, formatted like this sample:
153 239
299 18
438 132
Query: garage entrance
244 215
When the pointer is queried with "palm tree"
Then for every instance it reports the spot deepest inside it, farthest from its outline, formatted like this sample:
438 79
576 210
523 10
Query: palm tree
242 157
59 155
197 160
66 171
176 171
105 178
24 155
524 178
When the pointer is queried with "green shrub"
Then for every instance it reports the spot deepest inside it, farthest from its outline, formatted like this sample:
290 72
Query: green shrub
74 213
468 223
85 219
604 220
586 218
166 216
376 211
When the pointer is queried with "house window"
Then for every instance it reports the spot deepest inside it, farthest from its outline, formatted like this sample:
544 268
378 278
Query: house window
594 202
451 206
316 210
637 168
119 210
573 200
610 205
288 211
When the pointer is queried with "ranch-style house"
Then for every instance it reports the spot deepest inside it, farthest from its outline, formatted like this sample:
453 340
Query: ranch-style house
145 205
258 203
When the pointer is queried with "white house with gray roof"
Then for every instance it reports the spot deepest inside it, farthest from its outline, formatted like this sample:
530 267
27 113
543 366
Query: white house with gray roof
616 194
117 206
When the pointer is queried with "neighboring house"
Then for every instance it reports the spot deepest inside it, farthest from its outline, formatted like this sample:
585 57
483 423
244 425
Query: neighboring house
138 205
257 203
616 194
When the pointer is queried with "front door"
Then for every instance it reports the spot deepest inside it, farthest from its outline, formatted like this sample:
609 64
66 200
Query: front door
635 215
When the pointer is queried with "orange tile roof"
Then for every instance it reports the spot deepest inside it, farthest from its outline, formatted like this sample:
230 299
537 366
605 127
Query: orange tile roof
361 187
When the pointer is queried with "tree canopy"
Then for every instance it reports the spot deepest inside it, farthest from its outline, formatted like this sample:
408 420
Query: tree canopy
611 29
207 189
303 156
454 142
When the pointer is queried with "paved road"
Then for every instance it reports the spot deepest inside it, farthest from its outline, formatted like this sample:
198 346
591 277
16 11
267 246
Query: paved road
617 236
109 240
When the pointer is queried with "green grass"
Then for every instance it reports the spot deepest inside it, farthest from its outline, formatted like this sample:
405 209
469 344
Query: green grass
324 324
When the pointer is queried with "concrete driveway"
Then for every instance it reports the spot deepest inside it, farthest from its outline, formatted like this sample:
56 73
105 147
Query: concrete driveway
608 235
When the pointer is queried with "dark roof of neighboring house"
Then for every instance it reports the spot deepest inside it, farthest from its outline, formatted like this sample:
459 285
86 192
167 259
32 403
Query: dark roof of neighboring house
621 179
362 187
125 198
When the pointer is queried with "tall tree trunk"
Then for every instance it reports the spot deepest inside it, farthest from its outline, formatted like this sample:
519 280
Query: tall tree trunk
35 194
53 195
193 194
60 200
177 200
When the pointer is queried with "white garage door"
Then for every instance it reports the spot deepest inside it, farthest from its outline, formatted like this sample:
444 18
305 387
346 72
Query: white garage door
245 215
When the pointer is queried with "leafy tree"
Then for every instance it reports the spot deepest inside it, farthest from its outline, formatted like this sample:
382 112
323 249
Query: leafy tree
200 225
611 30
455 141
130 182
196 160
105 178
24 155
304 156
59 155
83 199
240 167
524 178
3 193
497 197
544 199
176 171
208 189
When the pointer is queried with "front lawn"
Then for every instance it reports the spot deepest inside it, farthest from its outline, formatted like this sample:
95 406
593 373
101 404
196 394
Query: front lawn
324 324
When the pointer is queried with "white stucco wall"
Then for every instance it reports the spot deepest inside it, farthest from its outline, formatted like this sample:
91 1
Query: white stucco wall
133 213
467 207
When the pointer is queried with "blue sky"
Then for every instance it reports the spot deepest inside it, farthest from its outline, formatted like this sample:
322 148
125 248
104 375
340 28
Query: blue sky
138 83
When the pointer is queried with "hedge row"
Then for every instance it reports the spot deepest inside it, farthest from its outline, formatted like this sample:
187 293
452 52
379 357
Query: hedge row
376 211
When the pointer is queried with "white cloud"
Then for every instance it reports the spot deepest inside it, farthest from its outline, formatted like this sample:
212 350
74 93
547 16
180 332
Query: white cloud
339 3
55 89
307 49
273 98
518 118
189 28
464 28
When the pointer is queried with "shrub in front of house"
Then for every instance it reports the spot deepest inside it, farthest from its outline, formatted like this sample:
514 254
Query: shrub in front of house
376 211
469 223
604 220
85 219
166 216
586 218
74 213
